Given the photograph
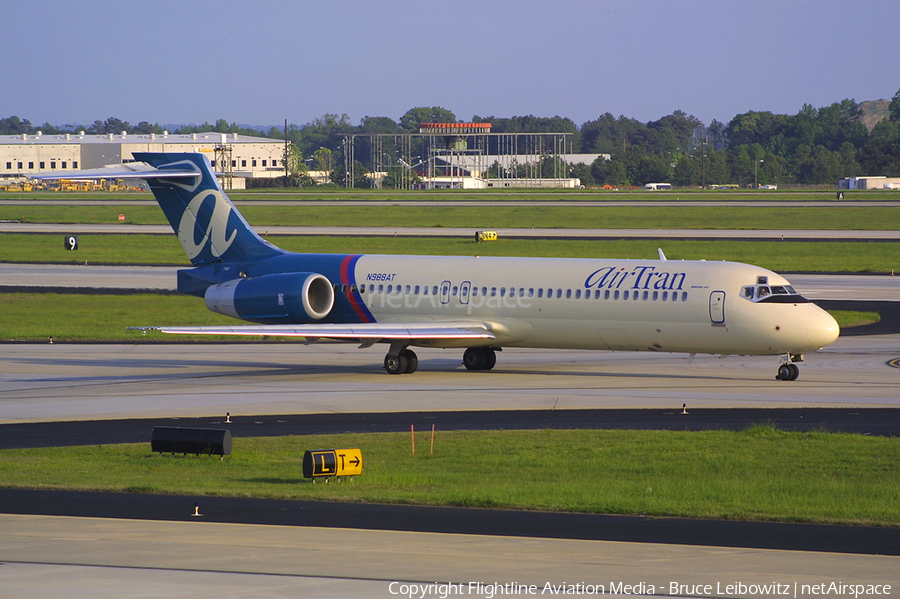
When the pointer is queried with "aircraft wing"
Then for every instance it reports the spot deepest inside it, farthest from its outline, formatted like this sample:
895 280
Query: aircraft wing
364 333
129 170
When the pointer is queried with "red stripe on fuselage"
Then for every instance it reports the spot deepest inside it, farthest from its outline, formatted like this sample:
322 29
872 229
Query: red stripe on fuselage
348 278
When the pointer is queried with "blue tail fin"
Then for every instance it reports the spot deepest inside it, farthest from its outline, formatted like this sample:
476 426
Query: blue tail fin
207 224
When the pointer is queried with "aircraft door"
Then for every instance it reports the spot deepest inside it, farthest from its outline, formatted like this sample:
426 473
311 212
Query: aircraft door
445 292
464 292
717 307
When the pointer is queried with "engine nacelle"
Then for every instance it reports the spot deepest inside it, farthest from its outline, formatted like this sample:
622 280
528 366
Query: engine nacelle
286 298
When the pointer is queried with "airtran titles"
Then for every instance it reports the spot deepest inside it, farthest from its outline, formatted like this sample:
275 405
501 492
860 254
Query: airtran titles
639 277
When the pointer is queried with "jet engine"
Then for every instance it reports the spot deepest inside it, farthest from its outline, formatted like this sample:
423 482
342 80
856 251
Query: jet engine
285 298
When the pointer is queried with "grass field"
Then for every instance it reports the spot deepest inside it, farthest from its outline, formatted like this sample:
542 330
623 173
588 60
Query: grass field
493 195
500 216
758 474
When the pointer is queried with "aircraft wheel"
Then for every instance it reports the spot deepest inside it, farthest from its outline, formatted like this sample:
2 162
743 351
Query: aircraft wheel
490 358
412 361
787 372
479 358
795 372
395 364
474 358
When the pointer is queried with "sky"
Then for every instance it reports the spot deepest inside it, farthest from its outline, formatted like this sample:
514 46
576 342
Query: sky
259 63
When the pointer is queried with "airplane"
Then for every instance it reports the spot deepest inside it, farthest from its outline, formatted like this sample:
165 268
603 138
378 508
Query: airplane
478 304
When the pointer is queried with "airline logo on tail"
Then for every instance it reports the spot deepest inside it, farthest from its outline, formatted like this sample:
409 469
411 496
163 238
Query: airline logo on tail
216 228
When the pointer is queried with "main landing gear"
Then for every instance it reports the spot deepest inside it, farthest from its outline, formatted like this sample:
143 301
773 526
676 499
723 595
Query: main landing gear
479 358
788 371
403 363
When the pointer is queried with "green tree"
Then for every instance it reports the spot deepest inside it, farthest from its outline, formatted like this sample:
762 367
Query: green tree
110 125
327 131
13 125
609 172
881 153
324 159
717 171
676 130
687 172
894 108
583 173
433 114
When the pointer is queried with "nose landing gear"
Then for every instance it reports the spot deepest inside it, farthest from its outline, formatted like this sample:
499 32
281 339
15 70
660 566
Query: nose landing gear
788 371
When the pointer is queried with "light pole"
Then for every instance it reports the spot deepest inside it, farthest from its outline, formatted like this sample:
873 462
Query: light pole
756 173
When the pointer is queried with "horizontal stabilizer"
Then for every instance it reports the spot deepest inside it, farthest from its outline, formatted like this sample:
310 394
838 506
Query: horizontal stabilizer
129 170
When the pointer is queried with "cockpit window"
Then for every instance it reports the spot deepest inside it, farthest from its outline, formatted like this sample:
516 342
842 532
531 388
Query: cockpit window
782 294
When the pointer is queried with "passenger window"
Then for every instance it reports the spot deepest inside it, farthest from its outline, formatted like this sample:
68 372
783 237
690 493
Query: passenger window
625 295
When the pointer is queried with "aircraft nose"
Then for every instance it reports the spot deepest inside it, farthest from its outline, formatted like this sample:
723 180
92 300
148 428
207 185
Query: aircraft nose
823 329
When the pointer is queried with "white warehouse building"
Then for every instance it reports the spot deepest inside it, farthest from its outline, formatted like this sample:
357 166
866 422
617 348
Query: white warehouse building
238 156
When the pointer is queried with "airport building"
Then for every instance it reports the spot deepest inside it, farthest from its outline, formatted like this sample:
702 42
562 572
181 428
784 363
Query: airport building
870 183
237 157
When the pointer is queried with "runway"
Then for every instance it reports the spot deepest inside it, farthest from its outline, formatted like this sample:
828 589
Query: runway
42 382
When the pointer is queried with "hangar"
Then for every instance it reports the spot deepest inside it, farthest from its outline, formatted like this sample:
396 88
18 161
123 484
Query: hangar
237 157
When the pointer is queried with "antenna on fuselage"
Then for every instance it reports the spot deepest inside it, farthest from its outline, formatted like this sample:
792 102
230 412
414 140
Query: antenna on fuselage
662 256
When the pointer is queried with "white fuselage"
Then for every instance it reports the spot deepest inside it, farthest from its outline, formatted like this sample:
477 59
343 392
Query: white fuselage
644 305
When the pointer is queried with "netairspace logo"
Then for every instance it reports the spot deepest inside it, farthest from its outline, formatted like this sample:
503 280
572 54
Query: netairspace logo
795 590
